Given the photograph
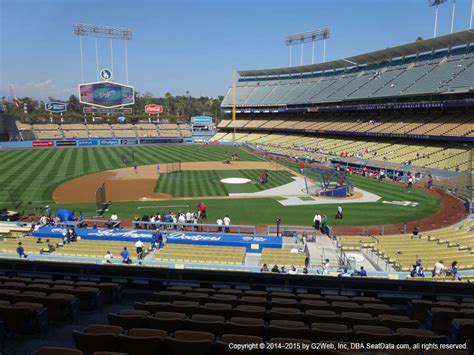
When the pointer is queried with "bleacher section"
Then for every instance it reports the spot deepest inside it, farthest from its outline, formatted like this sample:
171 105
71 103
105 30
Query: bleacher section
202 254
439 155
101 130
412 74
402 251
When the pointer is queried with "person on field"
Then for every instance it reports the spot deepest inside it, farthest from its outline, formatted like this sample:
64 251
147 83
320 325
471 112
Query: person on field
339 212
430 181
410 183
227 223
317 221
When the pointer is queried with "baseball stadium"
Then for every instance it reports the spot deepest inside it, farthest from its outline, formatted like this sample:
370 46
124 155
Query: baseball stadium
324 207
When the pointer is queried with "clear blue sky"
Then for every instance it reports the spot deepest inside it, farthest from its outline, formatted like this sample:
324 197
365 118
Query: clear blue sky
194 45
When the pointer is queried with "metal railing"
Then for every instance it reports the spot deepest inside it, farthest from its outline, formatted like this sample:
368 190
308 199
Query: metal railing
201 227
107 222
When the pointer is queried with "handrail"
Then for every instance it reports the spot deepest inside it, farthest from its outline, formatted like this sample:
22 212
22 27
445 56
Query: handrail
208 226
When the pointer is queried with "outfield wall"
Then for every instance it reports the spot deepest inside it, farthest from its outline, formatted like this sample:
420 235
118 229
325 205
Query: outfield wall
92 142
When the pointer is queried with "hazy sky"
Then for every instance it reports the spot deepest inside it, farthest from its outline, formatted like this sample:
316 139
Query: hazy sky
194 45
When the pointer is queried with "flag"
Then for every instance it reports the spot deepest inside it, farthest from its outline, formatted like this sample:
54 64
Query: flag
16 101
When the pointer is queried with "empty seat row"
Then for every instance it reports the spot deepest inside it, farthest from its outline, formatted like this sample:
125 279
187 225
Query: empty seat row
147 341
244 324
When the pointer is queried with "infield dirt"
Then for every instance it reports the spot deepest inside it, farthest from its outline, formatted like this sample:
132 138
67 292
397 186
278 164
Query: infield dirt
126 184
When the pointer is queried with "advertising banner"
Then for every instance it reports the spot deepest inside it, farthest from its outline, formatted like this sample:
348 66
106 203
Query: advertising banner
252 243
65 143
153 109
129 141
40 144
87 142
55 107
109 142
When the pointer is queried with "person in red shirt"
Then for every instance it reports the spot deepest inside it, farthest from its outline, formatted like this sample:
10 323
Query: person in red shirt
202 210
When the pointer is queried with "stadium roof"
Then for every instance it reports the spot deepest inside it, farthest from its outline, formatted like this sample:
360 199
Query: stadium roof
422 46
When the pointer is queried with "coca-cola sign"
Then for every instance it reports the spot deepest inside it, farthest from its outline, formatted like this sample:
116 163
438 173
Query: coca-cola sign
153 109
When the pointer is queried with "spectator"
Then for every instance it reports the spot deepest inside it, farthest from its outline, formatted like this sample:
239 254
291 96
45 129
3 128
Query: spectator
108 256
361 272
275 269
326 267
80 219
182 220
227 223
50 246
410 183
264 268
189 217
125 254
430 181
21 251
317 221
420 272
220 222
114 217
339 212
416 233
38 241
139 245
454 270
413 271
292 270
344 273
324 224
157 239
439 269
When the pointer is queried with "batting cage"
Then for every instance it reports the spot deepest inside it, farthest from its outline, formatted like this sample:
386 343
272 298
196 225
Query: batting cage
172 167
326 182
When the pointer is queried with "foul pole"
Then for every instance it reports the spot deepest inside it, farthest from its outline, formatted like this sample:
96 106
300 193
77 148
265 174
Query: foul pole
234 103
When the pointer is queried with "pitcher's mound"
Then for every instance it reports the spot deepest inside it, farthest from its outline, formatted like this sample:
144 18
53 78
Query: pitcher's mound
235 181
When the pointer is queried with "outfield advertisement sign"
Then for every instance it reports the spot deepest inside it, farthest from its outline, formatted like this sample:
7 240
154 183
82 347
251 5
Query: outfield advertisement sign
55 107
109 142
65 143
252 243
87 142
128 141
40 144
153 109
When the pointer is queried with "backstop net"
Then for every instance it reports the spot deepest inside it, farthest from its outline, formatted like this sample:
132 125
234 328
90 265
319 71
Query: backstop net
323 181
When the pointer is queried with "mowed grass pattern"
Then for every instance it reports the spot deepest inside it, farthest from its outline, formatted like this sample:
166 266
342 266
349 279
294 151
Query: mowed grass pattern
32 174
207 182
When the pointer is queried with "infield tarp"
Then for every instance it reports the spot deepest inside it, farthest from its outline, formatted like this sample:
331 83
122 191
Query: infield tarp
252 243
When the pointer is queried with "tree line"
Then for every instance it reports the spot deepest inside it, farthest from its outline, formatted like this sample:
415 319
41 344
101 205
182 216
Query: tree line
178 108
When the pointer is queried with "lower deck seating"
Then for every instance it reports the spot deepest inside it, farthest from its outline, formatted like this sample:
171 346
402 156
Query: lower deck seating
202 254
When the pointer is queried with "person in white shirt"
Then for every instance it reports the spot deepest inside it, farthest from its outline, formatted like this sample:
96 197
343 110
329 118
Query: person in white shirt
317 221
439 269
227 223
108 256
181 220
189 217
292 270
139 245
220 222
114 217
326 267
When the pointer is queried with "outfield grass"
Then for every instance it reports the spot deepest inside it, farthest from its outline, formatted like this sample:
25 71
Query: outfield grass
207 182
33 174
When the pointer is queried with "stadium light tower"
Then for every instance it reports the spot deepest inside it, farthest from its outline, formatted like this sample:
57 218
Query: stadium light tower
97 31
436 3
472 14
321 34
452 15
